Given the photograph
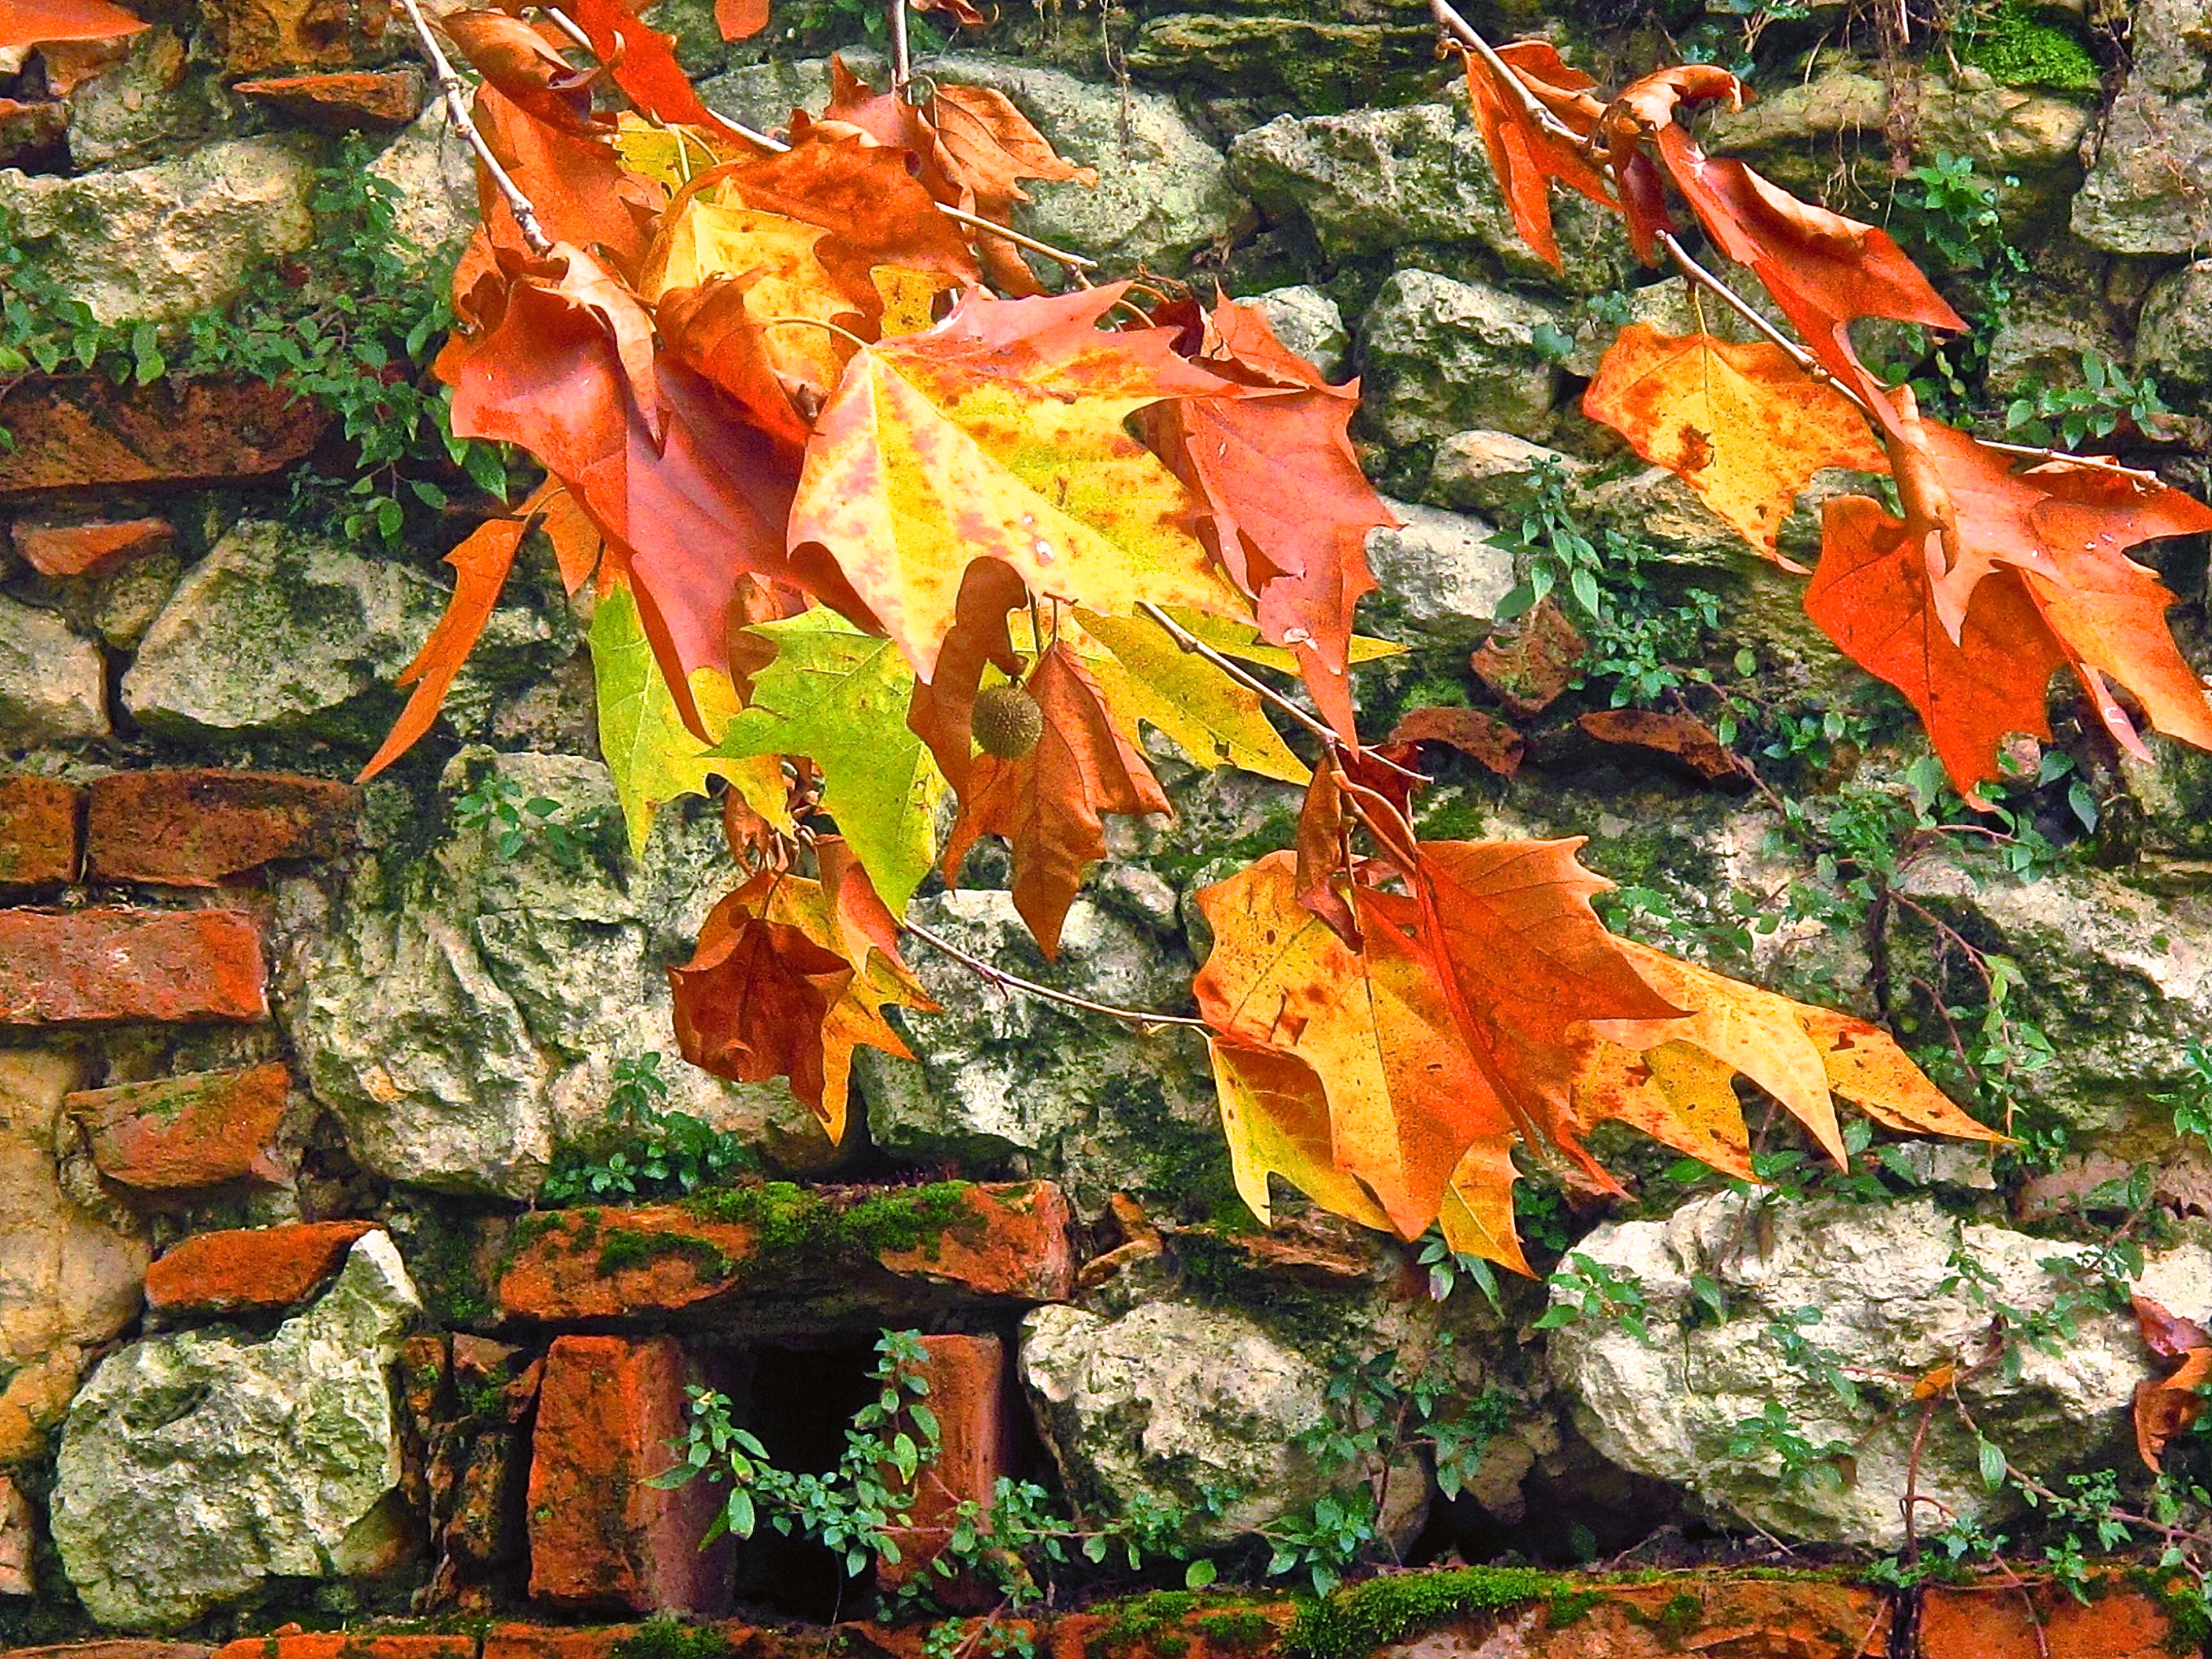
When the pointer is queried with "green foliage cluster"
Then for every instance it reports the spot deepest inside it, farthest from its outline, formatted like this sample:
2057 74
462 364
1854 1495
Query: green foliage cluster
351 324
2019 51
1354 1622
644 1149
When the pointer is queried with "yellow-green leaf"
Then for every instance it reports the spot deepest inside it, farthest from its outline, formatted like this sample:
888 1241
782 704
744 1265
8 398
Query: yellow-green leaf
839 698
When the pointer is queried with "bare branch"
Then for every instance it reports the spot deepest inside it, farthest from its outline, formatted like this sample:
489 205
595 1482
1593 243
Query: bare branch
1143 1018
455 92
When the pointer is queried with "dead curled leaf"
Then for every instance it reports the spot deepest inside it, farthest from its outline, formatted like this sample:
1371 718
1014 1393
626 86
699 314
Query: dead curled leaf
1681 738
1480 736
1529 665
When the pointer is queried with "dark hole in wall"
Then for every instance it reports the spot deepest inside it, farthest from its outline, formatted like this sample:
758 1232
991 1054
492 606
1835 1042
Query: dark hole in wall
799 1402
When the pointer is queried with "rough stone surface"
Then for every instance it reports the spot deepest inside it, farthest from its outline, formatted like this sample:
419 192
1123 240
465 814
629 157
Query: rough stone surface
256 36
277 631
461 1011
53 684
69 1279
431 169
2045 334
193 827
600 1535
251 1269
1169 1399
157 243
1282 60
1441 577
1007 1081
346 102
1492 471
1162 193
1376 180
18 1541
2173 332
2119 977
1877 1277
183 1134
2029 137
157 100
2149 189
1439 357
197 1466
1307 321
96 967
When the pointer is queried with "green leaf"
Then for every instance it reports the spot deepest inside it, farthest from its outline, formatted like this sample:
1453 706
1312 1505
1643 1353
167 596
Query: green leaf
839 698
1992 1459
654 757
1199 1574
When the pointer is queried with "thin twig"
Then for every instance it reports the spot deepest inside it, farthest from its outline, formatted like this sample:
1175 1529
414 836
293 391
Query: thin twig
991 972
1189 641
455 92
901 59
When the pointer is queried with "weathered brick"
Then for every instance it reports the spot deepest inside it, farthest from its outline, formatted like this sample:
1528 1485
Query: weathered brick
663 1259
250 1269
345 102
516 1641
37 831
601 1536
256 36
1998 1621
116 1647
87 550
193 828
78 431
348 1644
185 1133
96 967
967 1378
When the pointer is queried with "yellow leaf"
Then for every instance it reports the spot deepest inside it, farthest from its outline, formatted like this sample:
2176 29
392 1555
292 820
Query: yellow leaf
706 239
1865 1067
1477 1217
1676 1093
674 155
910 298
1242 640
1276 1121
1741 424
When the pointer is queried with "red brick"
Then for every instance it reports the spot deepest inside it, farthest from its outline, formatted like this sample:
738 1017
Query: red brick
74 431
345 102
251 1269
121 1647
96 967
1996 1621
87 549
664 1258
1022 1249
37 831
599 1535
967 1378
555 1641
197 828
347 1645
185 1133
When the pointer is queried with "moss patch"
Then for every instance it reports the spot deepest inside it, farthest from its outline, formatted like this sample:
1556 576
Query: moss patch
790 1221
2019 51
623 1248
667 1638
1354 1622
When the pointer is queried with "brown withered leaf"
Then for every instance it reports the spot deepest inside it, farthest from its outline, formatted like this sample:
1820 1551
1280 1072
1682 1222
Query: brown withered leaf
1324 857
1682 738
1480 736
1529 664
1050 804
2166 1334
2170 1406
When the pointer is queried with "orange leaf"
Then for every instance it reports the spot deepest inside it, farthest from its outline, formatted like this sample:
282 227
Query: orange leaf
740 20
1050 804
1687 741
581 192
1871 595
43 23
2166 1334
525 67
2172 1406
1741 424
480 565
1529 664
642 61
1524 156
1286 509
1322 857
1865 1067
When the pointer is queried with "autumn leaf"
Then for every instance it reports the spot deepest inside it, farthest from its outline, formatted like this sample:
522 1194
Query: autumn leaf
2166 1333
652 756
1683 739
1870 594
1741 424
581 192
525 66
1866 1066
1476 1217
2170 1406
1149 680
839 696
997 435
480 563
1529 664
1403 1096
1526 157
642 62
48 22
1050 804
740 20
1482 738
714 330
1677 1093
1285 507
786 982
1274 1116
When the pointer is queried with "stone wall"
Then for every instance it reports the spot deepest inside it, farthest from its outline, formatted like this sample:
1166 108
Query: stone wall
286 1332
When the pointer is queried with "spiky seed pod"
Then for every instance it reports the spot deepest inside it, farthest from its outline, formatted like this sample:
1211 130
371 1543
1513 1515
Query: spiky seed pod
1006 721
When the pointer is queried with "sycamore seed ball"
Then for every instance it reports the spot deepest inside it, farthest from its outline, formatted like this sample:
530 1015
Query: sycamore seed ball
1006 721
